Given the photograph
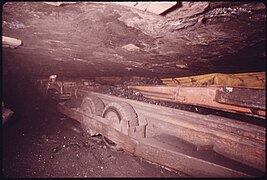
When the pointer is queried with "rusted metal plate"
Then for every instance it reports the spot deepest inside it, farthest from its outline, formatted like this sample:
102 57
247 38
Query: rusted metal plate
252 98
201 96
60 90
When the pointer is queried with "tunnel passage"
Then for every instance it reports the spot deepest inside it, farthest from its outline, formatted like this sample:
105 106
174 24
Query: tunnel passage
90 40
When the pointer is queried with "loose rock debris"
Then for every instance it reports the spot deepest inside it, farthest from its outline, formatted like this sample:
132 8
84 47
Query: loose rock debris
11 42
131 47
59 3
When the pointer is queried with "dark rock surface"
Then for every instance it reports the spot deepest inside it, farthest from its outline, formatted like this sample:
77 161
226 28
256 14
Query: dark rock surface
91 39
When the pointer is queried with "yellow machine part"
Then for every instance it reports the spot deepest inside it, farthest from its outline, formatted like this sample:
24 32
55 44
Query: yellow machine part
255 80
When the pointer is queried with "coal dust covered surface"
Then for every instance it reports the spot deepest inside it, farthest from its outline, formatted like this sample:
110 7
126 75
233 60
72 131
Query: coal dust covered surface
39 142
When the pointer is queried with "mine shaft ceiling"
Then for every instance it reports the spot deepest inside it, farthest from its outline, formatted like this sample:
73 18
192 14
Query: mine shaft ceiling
87 39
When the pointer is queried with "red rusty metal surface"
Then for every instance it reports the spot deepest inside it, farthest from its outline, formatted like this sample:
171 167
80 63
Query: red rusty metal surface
201 96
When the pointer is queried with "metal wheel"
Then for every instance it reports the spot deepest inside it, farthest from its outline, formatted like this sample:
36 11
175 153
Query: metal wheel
121 116
91 106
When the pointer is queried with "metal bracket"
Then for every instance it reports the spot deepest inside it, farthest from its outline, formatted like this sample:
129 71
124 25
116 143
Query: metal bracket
177 97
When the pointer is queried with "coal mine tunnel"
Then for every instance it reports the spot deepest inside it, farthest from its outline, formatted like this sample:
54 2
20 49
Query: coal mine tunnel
111 46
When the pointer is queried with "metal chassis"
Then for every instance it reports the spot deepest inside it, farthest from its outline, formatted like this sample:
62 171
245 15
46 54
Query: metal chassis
244 143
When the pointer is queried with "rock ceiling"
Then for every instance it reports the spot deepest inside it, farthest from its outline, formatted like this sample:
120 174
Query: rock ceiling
107 39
